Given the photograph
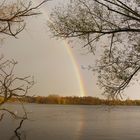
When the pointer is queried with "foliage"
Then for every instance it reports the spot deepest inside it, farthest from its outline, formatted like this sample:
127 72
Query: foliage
110 26
74 100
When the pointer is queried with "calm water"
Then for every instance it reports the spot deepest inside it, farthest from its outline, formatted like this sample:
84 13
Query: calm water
69 122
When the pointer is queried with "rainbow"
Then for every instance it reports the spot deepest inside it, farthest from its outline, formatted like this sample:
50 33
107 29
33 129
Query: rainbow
76 68
72 58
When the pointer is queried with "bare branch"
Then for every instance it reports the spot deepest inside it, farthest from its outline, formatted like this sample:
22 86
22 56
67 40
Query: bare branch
12 17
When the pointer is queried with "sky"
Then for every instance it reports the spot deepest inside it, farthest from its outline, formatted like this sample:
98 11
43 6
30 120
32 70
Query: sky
56 66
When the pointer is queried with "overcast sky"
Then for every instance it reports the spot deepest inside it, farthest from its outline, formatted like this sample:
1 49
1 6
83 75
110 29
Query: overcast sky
48 61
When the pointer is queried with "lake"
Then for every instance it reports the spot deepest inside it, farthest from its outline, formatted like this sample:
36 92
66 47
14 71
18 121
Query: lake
74 122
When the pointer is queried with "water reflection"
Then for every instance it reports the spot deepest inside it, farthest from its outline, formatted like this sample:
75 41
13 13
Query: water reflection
19 136
80 124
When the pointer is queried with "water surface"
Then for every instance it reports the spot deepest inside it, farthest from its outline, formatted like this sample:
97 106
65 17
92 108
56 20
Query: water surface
74 122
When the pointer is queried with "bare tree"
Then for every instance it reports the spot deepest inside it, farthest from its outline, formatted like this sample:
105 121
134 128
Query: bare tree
13 16
13 86
113 27
10 84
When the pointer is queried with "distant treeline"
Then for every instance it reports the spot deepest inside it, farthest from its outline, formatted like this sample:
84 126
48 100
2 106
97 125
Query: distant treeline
74 100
